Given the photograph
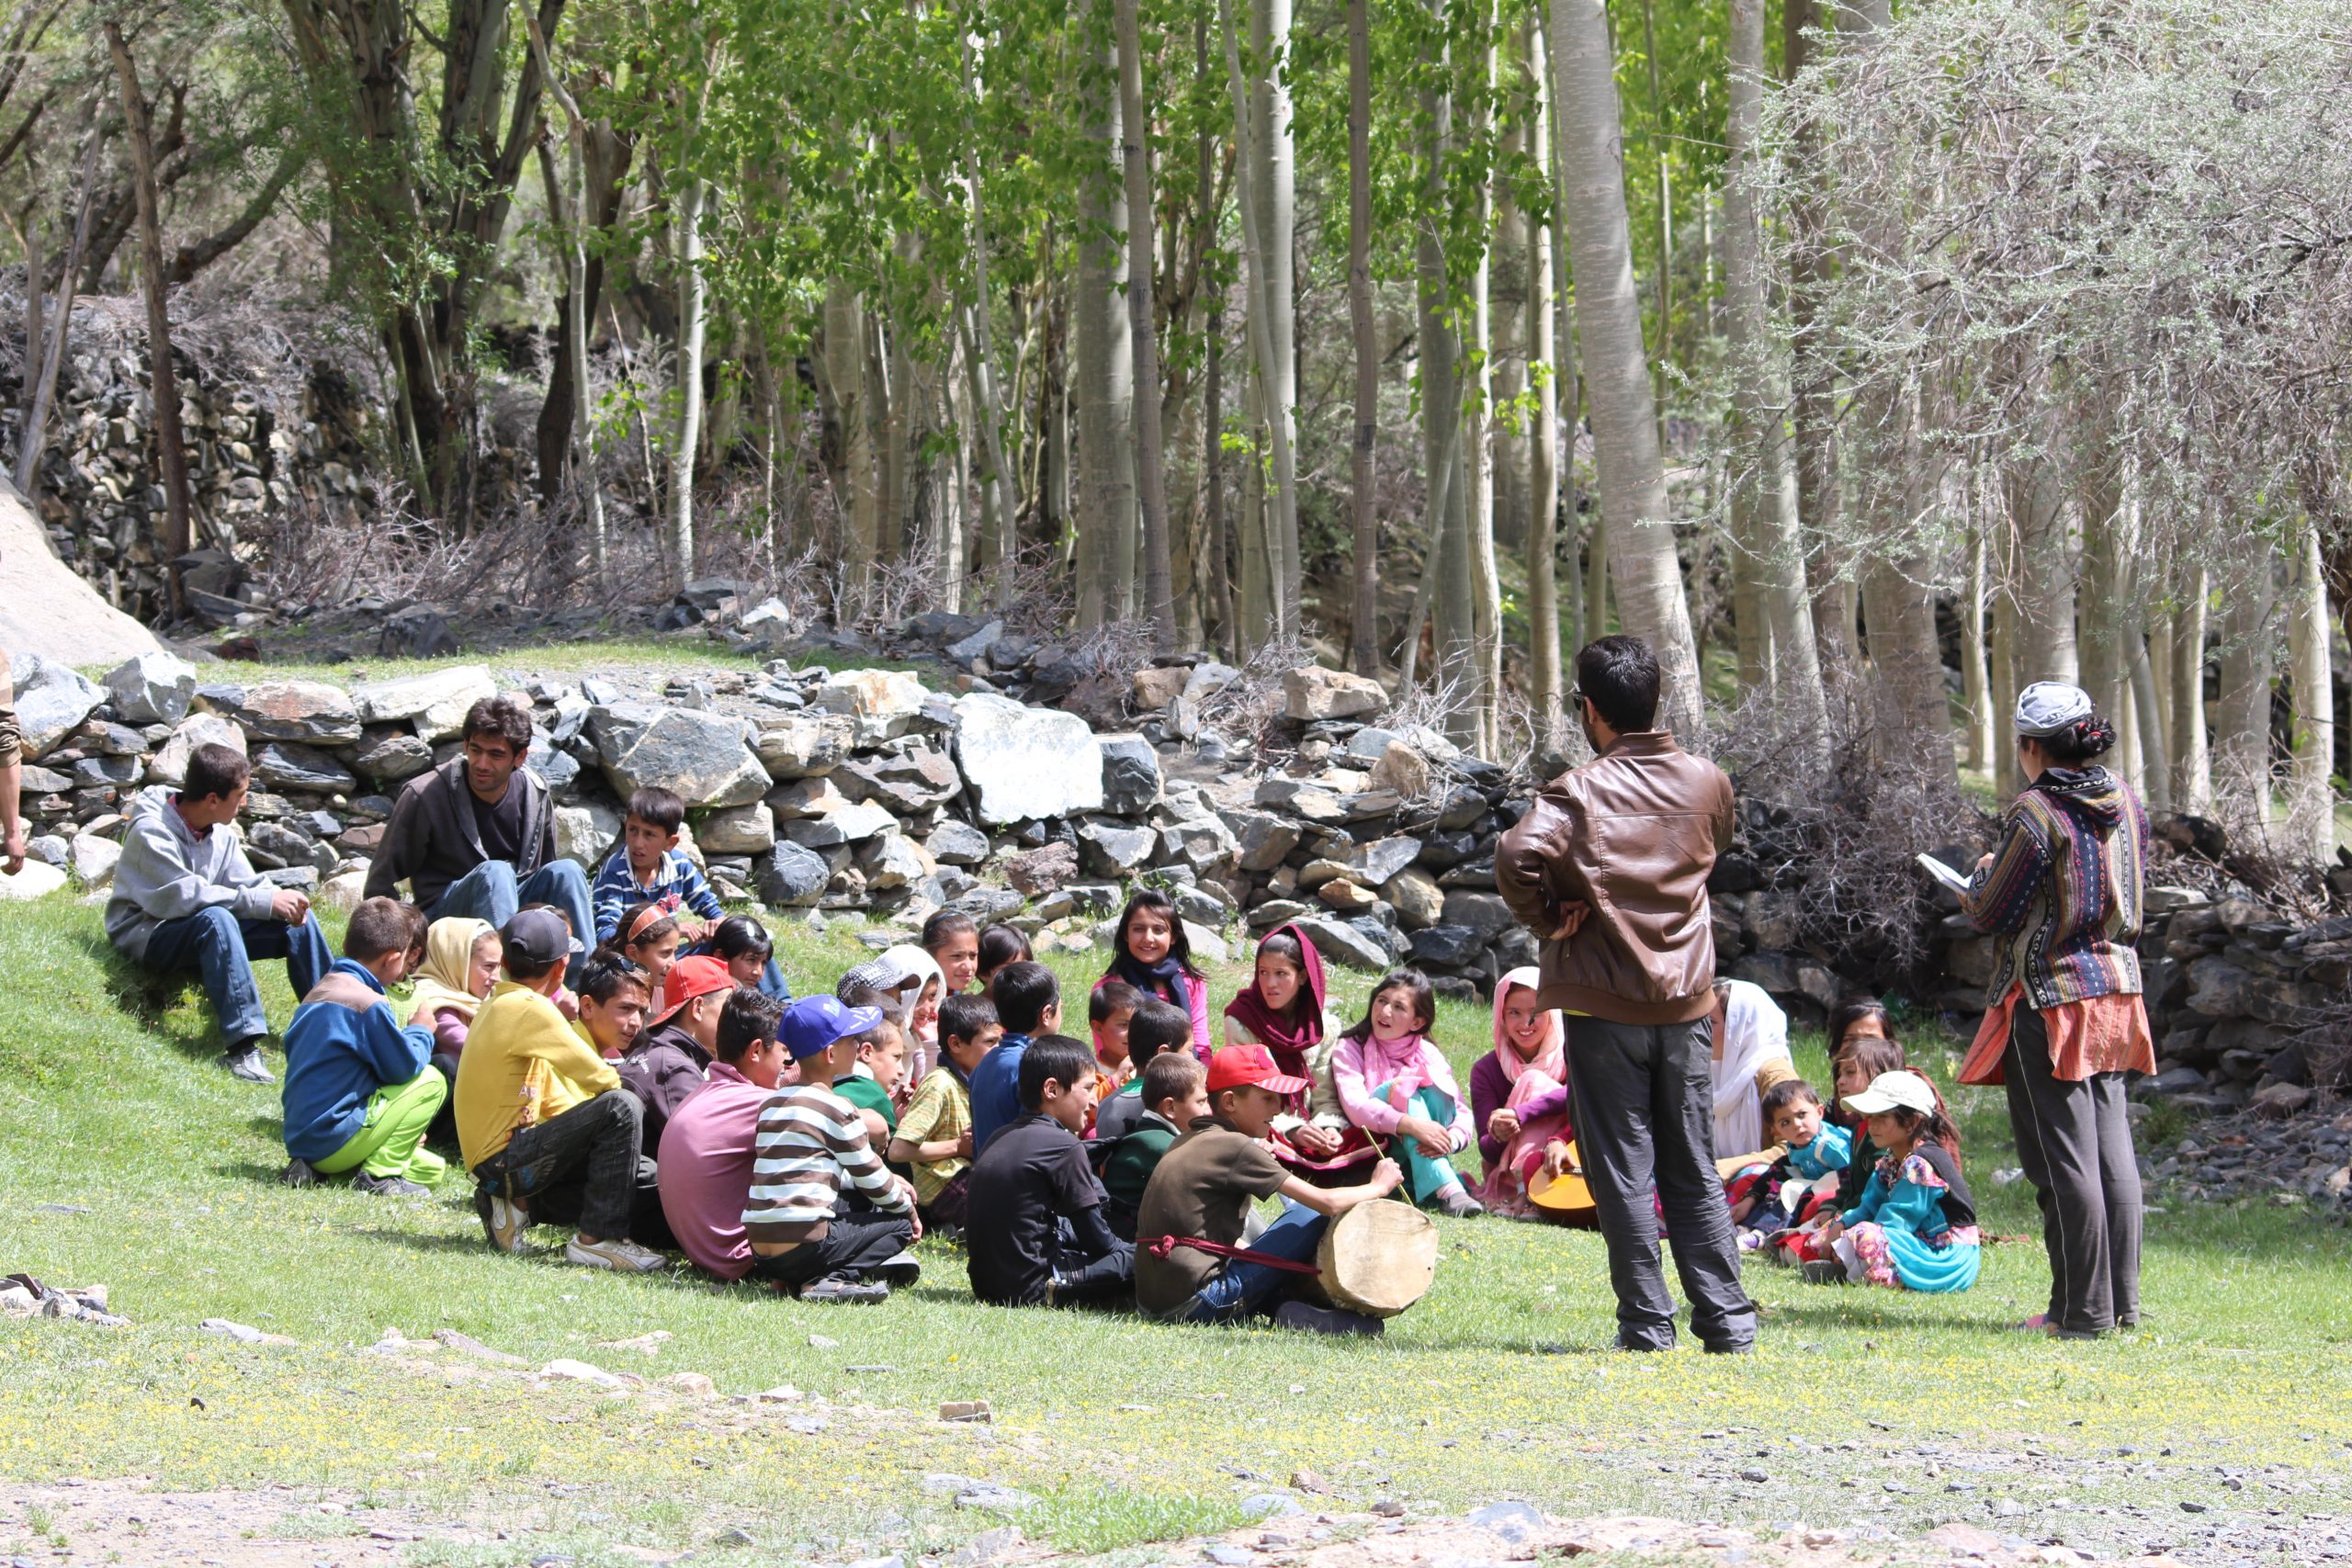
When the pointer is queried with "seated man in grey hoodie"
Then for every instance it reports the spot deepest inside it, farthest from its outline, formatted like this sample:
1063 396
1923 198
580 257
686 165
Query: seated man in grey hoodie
185 895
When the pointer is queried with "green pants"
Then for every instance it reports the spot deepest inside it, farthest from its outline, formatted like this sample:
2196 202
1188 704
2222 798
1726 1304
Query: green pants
1424 1177
392 1141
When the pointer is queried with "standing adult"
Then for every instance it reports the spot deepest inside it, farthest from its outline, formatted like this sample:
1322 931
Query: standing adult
2062 892
476 836
1609 869
12 775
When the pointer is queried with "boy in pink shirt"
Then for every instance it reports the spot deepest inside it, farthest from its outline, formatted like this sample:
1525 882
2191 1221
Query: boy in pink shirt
705 1157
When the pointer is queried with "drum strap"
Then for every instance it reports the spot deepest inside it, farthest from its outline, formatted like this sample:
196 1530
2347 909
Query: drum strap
1161 1246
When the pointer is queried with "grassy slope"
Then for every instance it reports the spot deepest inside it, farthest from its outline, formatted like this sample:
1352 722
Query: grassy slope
1493 1386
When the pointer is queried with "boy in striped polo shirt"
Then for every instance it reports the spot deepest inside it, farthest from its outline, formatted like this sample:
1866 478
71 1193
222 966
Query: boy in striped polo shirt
826 1219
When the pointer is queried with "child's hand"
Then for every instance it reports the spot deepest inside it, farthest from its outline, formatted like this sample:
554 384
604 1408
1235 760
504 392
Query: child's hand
964 1145
1434 1140
1503 1126
566 1002
1832 1231
1315 1143
1741 1210
1387 1175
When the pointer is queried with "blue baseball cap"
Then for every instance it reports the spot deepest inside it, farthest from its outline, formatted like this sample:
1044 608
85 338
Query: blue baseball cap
812 1023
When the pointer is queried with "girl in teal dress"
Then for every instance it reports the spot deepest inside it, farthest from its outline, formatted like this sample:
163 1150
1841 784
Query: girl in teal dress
1915 1228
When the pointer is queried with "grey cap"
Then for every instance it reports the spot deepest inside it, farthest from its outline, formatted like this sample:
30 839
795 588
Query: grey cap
2052 707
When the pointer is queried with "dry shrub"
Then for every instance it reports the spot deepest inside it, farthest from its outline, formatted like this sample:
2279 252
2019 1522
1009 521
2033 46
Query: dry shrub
1249 707
1838 840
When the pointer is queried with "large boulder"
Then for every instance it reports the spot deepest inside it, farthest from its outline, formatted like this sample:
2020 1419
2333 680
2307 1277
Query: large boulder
1415 895
1041 871
435 703
893 861
1113 849
1311 693
35 879
584 835
47 607
1024 763
738 831
1383 858
1340 943
308 711
53 700
848 824
1485 913
958 843
151 688
170 765
698 756
913 781
284 764
880 702
1156 688
1130 775
790 876
1265 841
389 757
797 745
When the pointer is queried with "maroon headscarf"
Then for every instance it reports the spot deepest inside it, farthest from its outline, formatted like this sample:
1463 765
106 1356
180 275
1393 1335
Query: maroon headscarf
1289 1040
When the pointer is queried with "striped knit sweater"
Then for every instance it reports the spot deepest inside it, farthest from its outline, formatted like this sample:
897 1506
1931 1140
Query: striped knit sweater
2063 889
809 1148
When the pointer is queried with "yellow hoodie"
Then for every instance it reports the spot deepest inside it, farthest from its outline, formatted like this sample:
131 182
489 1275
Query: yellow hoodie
523 1064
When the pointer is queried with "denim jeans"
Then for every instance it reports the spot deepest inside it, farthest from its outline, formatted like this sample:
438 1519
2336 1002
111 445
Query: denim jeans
1247 1288
492 892
224 948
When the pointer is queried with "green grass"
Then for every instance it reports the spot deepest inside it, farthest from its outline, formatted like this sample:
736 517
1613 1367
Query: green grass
1495 1385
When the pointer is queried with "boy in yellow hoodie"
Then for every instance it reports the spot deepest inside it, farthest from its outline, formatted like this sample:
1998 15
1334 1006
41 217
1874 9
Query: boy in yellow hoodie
540 1154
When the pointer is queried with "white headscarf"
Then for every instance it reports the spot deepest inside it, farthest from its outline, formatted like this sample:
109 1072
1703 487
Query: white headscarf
1755 1032
888 972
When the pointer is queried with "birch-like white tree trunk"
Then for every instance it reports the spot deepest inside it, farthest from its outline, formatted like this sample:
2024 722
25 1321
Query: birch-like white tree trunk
1615 365
1104 370
1546 689
1364 642
2192 762
1158 598
693 296
2311 797
1273 193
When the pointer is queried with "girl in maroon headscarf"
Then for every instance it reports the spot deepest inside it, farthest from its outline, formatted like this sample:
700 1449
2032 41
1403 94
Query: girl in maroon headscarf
1283 1010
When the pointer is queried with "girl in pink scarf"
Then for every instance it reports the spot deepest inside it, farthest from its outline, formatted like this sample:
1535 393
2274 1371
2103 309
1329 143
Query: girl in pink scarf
1519 1095
1395 1084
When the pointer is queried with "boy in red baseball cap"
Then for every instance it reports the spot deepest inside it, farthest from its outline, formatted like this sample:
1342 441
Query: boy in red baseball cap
1189 1264
672 1058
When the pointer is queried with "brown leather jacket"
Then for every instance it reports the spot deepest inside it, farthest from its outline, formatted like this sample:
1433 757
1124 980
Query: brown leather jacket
1633 835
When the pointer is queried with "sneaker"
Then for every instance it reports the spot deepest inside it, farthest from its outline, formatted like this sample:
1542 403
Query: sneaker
501 1222
1751 1241
243 1061
897 1272
390 1186
1825 1271
1309 1319
1457 1204
621 1256
298 1173
840 1290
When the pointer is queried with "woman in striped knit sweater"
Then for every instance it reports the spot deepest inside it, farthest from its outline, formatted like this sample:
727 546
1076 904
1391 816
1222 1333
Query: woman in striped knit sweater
2064 1019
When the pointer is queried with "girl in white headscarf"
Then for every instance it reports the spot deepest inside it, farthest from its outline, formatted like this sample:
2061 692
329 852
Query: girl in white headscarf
910 983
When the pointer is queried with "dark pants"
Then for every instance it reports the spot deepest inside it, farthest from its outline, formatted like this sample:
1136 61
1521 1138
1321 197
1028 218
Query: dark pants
223 949
1645 1130
951 1205
582 1168
860 1239
2074 1143
1085 1279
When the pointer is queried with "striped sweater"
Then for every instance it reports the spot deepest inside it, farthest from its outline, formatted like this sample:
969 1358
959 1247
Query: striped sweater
808 1149
2064 890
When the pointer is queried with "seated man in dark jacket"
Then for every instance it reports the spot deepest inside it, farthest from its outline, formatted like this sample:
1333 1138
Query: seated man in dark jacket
476 836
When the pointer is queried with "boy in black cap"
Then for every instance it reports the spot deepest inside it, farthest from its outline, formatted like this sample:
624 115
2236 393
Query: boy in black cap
545 1127
826 1218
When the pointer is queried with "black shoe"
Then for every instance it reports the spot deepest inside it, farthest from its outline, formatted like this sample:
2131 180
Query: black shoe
1311 1319
244 1060
897 1272
840 1290
1825 1271
390 1186
298 1173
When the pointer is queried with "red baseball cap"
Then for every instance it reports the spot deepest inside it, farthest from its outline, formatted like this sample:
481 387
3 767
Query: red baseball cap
692 977
1251 1064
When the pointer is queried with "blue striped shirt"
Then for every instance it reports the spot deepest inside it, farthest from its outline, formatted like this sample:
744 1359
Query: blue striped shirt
676 885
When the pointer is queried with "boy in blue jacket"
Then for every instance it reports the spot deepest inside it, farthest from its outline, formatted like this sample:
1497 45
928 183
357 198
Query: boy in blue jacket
359 1093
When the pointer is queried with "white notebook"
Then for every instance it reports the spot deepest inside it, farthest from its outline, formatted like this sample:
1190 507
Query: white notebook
1943 873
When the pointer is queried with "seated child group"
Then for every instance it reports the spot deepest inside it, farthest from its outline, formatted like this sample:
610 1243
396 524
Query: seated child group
651 1087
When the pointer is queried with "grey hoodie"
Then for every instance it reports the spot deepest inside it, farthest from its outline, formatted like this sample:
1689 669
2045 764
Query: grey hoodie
167 873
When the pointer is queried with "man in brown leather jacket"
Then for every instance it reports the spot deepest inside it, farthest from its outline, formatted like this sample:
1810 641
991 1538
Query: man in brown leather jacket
1609 868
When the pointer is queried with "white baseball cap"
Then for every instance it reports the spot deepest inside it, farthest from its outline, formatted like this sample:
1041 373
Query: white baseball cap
1896 1090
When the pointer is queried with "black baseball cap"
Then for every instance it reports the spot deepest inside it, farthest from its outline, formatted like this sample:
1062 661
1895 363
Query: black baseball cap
537 937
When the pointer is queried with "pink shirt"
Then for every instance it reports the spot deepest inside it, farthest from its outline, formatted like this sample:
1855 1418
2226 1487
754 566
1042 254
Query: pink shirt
1360 1067
707 1171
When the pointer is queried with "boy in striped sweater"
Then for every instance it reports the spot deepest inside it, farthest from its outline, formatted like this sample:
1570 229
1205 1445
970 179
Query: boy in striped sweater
826 1219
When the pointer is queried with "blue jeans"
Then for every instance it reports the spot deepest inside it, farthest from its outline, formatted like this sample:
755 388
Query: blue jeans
1245 1289
224 948
491 892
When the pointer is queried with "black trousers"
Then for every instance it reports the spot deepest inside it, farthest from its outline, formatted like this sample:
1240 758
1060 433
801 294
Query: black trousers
1645 1129
2074 1143
859 1239
584 1168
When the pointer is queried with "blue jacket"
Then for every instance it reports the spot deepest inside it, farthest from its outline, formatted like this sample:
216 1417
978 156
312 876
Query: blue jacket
342 1045
996 1089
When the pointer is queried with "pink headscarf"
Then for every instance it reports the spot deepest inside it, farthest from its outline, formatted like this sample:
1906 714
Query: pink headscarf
1551 1057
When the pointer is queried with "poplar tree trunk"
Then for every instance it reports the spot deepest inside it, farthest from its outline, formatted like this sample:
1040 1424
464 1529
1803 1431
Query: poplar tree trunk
2242 714
2312 799
1976 691
1813 401
1158 606
1547 690
1273 365
2046 574
1364 642
845 367
2192 764
1104 370
1609 327
1275 197
692 313
171 453
1759 396
1485 582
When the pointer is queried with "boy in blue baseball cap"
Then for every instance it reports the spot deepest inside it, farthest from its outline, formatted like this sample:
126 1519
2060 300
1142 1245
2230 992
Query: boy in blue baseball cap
826 1219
